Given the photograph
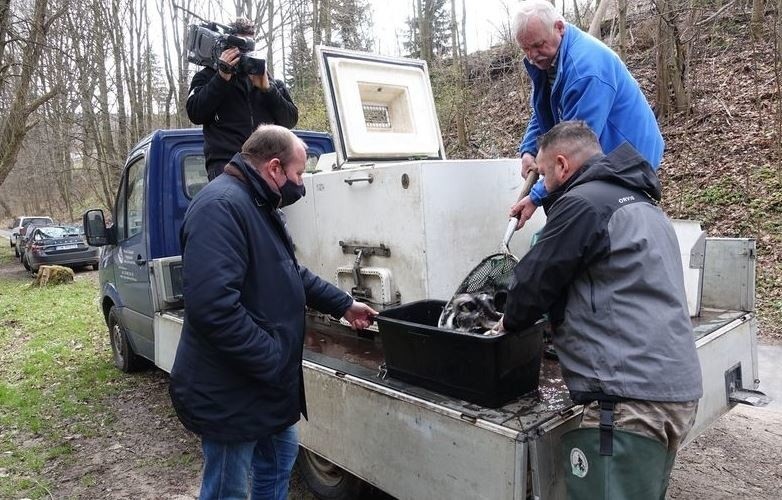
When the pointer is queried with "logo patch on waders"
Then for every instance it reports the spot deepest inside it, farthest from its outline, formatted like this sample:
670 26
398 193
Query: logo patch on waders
578 463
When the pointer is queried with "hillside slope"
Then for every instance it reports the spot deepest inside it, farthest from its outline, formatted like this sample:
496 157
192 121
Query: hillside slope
722 161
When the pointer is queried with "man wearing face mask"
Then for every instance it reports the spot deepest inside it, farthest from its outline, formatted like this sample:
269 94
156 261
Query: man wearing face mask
237 377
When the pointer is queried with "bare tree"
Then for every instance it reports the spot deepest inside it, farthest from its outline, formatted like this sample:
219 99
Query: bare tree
576 14
461 128
597 19
672 55
464 29
430 27
162 9
352 24
5 17
181 18
778 73
24 103
622 11
758 13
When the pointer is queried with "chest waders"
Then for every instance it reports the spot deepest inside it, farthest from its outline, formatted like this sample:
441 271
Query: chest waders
610 464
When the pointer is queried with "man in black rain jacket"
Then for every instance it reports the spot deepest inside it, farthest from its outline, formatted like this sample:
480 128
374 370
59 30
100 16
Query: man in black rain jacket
231 105
608 271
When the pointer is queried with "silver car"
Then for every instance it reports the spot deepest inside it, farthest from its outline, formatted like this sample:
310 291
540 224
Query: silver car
22 223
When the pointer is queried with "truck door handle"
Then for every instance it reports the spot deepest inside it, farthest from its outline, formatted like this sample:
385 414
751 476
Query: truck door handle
140 260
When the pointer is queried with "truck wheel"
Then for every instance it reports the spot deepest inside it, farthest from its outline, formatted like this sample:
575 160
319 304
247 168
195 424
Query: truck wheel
124 357
326 480
26 263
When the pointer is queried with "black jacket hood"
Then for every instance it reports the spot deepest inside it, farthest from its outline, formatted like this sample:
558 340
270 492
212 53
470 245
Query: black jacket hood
623 166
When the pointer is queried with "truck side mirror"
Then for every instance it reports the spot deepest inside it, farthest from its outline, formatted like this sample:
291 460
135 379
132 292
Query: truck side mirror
95 230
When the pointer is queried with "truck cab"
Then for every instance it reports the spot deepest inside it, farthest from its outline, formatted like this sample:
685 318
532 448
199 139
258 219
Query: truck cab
162 173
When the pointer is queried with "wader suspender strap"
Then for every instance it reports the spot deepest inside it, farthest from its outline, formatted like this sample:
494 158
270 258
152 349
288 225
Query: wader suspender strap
606 428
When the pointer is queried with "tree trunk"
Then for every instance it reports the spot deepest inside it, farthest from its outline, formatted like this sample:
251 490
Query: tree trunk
5 16
167 69
577 14
183 83
14 128
461 132
464 33
671 90
149 81
778 76
622 7
597 19
758 13
325 21
316 39
112 27
270 37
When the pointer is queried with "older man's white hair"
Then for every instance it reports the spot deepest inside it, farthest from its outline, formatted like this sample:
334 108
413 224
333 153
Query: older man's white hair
540 9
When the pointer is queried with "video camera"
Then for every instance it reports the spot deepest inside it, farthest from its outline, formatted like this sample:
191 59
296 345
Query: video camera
205 43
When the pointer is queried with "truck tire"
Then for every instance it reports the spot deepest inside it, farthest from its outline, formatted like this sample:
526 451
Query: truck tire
26 263
122 352
327 481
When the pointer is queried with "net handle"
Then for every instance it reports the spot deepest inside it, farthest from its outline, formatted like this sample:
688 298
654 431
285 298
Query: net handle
530 181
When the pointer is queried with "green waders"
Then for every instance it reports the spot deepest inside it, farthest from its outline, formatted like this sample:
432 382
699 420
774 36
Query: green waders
603 464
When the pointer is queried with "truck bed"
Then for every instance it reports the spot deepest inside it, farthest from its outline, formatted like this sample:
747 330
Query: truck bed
391 430
341 349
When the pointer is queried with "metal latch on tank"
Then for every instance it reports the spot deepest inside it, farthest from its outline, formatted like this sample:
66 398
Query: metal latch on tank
360 251
368 179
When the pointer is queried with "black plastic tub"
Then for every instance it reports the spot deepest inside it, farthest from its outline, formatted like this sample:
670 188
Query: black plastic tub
487 370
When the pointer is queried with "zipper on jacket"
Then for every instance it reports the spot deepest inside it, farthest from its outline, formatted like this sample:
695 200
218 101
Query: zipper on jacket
248 98
250 107
592 292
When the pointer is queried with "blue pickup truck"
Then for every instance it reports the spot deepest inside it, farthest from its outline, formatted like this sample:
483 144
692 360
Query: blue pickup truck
395 222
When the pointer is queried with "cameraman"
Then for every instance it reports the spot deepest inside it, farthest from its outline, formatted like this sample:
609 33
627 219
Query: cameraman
231 105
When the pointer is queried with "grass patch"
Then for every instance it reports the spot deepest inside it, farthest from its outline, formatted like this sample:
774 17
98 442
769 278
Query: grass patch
54 372
7 255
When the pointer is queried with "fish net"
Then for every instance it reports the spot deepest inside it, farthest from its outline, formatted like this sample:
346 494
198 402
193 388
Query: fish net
481 295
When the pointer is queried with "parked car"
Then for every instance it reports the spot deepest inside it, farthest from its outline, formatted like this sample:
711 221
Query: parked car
27 232
23 222
23 238
61 245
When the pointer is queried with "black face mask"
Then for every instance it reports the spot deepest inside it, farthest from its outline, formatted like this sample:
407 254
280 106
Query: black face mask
290 192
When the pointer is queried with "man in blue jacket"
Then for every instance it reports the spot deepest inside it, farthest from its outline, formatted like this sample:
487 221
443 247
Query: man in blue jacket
237 377
576 77
608 272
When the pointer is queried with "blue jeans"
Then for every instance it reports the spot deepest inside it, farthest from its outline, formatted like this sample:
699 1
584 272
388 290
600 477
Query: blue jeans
228 467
